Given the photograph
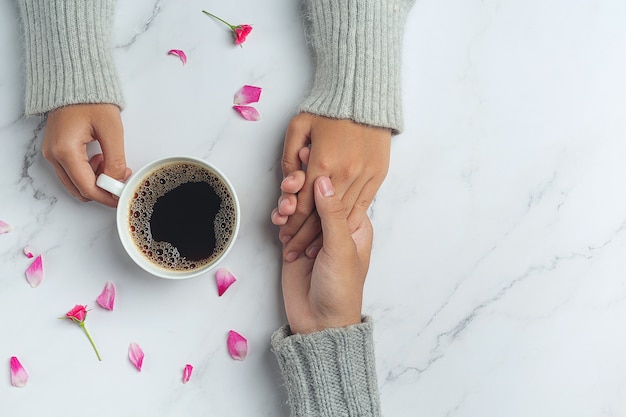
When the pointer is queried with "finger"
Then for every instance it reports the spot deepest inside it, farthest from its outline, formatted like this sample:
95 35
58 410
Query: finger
97 163
296 137
67 182
362 237
304 154
361 204
277 218
314 248
304 225
110 134
297 243
293 182
84 179
332 215
287 204
304 209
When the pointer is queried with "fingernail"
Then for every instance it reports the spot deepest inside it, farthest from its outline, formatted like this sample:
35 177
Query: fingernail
285 239
281 204
326 187
312 251
291 256
286 178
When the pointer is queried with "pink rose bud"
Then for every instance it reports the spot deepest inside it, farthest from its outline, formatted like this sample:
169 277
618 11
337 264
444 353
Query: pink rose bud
78 314
241 32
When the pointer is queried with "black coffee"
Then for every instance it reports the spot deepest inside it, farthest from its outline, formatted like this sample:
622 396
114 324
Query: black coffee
182 216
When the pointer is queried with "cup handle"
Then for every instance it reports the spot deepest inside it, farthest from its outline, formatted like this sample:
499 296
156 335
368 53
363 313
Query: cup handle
110 184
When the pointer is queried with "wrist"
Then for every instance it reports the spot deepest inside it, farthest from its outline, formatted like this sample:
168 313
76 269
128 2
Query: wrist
315 326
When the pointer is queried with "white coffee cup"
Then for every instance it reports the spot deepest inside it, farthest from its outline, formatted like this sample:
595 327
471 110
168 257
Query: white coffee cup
126 193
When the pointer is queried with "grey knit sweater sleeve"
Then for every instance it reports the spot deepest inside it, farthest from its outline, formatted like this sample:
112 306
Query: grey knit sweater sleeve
67 53
357 49
329 373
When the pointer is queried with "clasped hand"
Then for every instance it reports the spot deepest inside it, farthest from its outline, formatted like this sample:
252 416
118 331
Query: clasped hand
327 291
354 156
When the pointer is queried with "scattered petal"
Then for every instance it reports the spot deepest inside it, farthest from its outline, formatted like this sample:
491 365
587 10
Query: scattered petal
106 299
241 33
19 376
248 113
135 354
237 345
34 273
247 94
5 227
187 373
179 53
28 251
224 279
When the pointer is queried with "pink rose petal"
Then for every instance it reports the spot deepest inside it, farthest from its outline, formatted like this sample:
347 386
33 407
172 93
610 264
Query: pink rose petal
237 345
248 113
187 373
5 227
19 376
224 279
135 354
106 299
34 273
248 94
28 251
179 53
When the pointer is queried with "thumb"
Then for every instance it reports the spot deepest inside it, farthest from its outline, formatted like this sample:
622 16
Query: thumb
332 214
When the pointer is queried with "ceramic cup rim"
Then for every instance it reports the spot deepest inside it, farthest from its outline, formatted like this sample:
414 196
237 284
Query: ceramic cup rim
122 215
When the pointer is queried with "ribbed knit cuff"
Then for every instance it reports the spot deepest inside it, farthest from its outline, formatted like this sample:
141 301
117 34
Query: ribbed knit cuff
357 51
68 58
329 373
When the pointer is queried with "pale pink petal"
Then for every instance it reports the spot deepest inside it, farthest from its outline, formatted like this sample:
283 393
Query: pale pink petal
248 94
28 251
5 227
135 354
34 273
224 279
237 345
179 53
248 113
187 373
106 299
19 376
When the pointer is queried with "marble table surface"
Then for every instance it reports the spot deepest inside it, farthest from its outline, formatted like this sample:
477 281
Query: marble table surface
498 278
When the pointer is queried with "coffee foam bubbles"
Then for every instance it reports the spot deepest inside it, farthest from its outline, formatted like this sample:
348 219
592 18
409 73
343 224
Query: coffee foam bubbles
156 184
